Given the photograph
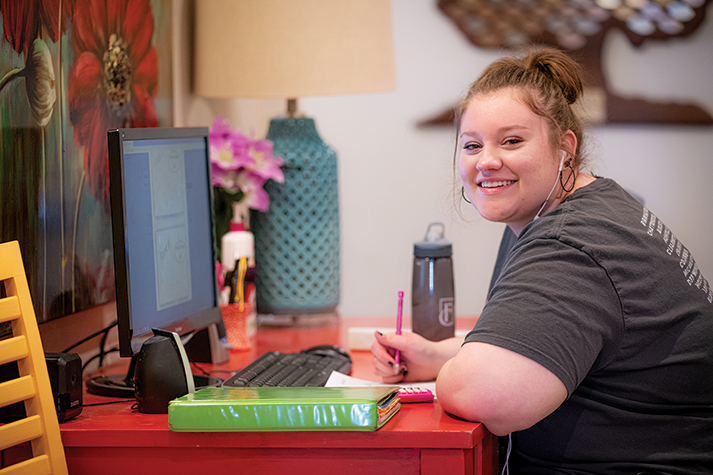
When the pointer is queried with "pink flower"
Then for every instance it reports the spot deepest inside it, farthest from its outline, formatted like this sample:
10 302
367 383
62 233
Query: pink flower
228 152
254 194
242 166
265 164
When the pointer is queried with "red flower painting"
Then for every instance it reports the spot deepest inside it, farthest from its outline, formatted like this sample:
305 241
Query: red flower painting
113 80
23 21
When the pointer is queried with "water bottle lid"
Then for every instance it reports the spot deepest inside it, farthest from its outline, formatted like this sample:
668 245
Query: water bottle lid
434 244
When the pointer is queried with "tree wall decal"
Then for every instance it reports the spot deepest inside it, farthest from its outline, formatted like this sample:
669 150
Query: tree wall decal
579 27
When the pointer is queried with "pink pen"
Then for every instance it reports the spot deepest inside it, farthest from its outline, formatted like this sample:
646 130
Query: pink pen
399 318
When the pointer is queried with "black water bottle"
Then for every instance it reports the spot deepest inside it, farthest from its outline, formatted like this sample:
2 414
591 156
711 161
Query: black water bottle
432 296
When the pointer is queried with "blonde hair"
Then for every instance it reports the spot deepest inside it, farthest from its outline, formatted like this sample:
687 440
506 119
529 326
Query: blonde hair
547 80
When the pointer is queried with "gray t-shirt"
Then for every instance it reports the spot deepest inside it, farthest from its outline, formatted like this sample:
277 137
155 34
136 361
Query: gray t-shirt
603 294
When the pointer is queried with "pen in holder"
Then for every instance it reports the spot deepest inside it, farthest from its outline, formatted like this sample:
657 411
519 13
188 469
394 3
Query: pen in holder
237 284
240 315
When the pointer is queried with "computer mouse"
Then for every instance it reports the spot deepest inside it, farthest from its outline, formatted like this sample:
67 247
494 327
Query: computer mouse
327 350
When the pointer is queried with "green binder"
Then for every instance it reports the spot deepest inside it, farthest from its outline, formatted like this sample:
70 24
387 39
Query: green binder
283 409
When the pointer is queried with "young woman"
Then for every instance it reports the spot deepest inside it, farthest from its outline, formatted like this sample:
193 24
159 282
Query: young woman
595 348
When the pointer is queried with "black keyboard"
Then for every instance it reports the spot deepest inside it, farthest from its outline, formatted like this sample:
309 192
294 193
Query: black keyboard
290 369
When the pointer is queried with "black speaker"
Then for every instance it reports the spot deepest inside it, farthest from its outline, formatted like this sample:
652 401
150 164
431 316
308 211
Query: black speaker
161 374
65 372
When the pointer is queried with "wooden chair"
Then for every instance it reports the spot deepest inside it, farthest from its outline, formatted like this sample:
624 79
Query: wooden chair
40 427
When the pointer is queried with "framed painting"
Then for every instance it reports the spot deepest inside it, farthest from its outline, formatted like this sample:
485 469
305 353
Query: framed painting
71 70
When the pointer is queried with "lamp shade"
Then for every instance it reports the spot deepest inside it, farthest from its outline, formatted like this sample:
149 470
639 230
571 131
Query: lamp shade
293 48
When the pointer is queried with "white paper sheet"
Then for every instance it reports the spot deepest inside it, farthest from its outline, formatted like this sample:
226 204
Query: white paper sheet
341 380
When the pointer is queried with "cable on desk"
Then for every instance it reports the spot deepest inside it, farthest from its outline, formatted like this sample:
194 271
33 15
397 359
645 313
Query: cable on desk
95 334
113 401
211 373
199 368
101 356
101 348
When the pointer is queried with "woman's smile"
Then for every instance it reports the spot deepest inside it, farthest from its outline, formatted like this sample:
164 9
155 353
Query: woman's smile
495 184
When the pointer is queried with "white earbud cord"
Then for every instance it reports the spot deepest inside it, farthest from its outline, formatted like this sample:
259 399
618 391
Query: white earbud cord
553 187
506 469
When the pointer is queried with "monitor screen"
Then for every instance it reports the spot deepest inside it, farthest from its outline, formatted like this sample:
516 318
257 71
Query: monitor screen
161 198
164 253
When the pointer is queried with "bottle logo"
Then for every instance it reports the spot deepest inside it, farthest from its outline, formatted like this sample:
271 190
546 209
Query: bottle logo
446 312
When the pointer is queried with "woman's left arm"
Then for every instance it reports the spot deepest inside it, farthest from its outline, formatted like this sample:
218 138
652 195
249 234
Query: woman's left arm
498 387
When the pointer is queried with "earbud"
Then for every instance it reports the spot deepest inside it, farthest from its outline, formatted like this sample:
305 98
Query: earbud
563 155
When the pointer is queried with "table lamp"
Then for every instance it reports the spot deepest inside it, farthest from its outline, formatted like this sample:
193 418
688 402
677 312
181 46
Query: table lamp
290 49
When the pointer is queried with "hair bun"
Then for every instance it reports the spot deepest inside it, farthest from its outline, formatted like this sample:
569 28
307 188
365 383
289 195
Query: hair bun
562 70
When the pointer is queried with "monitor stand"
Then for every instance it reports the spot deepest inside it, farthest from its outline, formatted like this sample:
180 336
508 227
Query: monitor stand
122 385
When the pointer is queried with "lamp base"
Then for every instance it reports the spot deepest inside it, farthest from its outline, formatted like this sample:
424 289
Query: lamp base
297 239
316 320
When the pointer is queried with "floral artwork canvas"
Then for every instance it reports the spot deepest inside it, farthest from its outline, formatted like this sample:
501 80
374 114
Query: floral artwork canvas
71 70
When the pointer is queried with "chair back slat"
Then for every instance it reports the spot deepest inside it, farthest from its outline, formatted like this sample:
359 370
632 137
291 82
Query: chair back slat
13 349
9 309
20 431
17 390
39 465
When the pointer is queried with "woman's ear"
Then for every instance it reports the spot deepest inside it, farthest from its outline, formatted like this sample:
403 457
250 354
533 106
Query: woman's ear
569 143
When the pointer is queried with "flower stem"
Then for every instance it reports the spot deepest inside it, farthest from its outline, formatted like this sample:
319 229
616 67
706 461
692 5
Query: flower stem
74 236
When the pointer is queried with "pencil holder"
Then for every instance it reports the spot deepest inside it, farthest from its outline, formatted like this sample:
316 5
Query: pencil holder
240 325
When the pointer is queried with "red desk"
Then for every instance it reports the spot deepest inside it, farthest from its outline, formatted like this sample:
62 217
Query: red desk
420 439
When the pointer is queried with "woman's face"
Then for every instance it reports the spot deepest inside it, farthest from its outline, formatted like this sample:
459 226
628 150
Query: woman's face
507 164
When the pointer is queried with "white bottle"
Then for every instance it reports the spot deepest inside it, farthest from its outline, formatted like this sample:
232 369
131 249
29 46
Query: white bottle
236 243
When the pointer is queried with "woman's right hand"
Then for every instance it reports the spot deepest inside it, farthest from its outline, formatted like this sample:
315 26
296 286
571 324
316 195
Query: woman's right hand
420 359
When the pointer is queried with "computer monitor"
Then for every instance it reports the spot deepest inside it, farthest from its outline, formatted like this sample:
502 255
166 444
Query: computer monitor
164 256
